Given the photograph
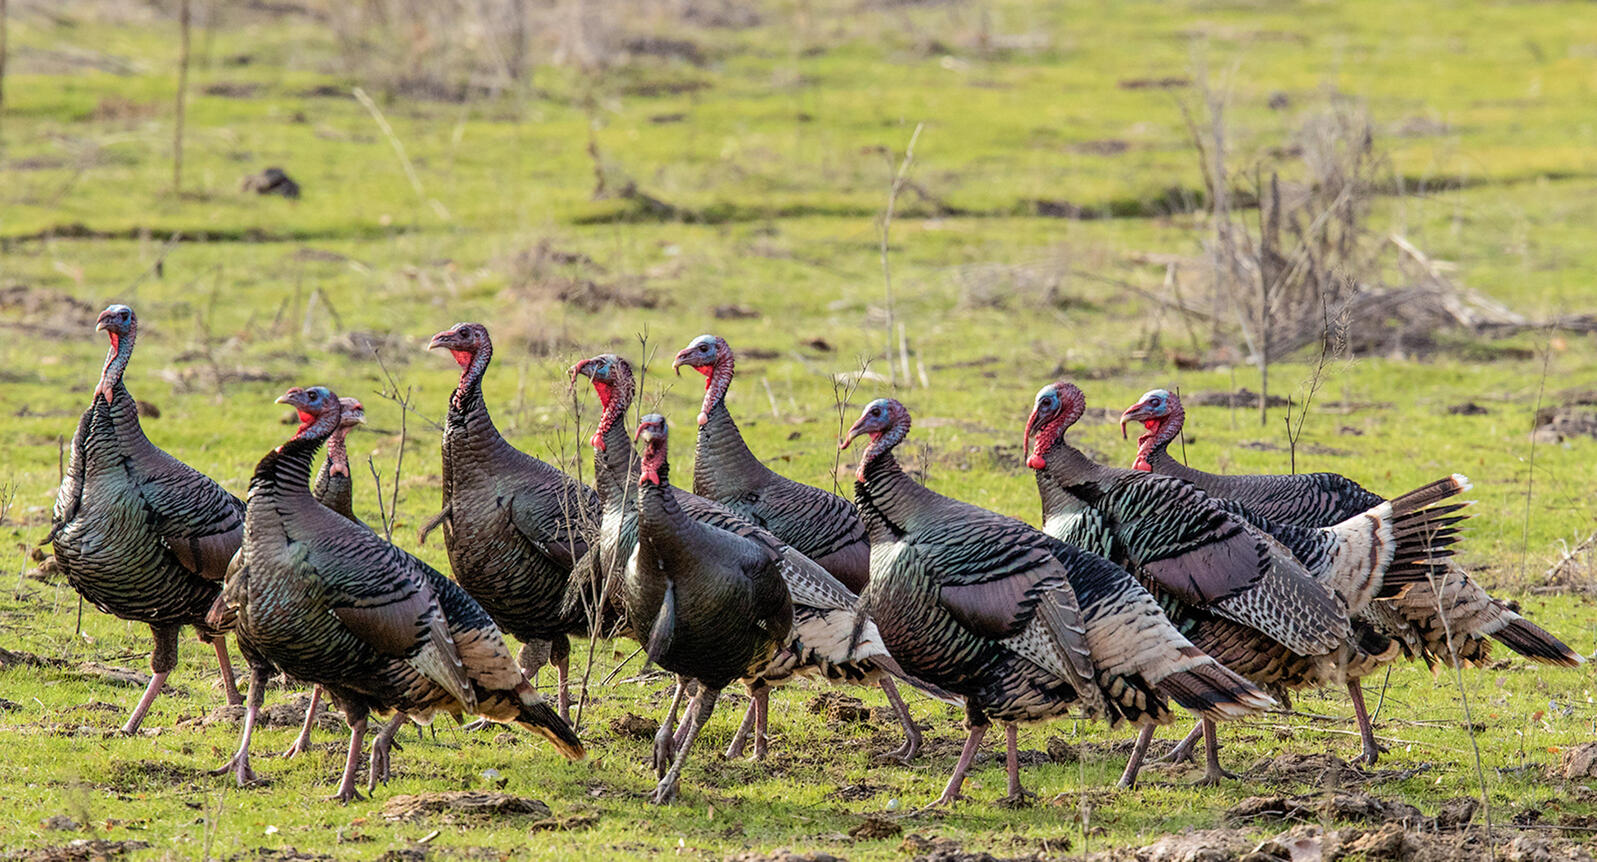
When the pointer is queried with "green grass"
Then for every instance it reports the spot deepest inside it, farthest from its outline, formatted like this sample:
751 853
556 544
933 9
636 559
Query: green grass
777 166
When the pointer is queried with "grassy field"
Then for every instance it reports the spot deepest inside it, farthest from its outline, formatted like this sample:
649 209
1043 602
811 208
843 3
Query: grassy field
761 142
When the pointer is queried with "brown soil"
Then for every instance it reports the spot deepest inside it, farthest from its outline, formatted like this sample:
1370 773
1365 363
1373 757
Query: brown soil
462 804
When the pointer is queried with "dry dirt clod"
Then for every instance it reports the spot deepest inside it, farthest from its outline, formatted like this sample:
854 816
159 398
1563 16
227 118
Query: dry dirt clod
875 827
462 803
634 726
839 707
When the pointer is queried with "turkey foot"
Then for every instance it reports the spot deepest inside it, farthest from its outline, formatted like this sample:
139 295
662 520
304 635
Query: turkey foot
1372 749
346 785
1213 774
381 758
1128 778
1182 753
239 765
703 705
1019 797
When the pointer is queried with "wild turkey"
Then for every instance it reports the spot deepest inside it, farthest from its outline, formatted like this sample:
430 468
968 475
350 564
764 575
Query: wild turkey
335 489
1248 600
1289 507
820 524
712 606
329 602
1020 625
141 535
824 610
513 525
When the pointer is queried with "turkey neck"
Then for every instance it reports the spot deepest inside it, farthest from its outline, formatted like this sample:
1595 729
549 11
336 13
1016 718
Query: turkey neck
285 472
889 500
615 467
470 437
723 466
116 361
661 523
1075 474
334 487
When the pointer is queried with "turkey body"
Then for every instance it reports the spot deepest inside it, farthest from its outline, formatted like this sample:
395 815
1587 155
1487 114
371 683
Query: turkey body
513 526
141 535
329 602
712 606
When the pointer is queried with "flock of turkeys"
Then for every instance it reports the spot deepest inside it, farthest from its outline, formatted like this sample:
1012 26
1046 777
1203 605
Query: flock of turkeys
1145 586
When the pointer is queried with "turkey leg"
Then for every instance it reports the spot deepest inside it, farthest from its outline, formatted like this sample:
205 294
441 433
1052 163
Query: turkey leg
162 659
703 706
735 750
968 754
1372 749
1128 779
911 747
229 682
561 658
380 749
1212 773
357 735
239 765
1017 794
665 743
302 743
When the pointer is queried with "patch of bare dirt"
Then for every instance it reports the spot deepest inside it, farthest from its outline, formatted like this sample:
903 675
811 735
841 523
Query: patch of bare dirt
278 854
1565 422
634 726
1338 806
468 804
1104 147
573 278
569 823
934 849
839 708
784 855
231 89
46 312
82 850
1062 750
872 828
1243 397
858 792
1166 83
394 347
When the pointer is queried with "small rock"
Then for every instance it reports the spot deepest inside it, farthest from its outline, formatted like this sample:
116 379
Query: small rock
1578 762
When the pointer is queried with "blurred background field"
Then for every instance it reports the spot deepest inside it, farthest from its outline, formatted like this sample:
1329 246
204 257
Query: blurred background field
1083 200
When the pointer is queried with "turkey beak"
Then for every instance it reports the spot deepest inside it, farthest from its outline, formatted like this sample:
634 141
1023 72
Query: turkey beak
677 363
440 340
1127 416
1033 460
101 325
848 439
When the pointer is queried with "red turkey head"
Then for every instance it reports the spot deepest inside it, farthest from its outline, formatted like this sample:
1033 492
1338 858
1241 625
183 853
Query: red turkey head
612 382
886 421
1056 407
652 433
1160 412
464 341
318 408
712 357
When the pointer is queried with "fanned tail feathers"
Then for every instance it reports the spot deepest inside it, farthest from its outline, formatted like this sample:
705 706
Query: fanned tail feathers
1533 642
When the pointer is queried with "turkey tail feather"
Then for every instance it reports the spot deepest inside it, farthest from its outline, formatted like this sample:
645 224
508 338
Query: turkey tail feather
1212 691
1533 642
537 716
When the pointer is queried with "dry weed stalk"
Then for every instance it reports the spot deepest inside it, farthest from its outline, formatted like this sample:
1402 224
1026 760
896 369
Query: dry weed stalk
894 187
